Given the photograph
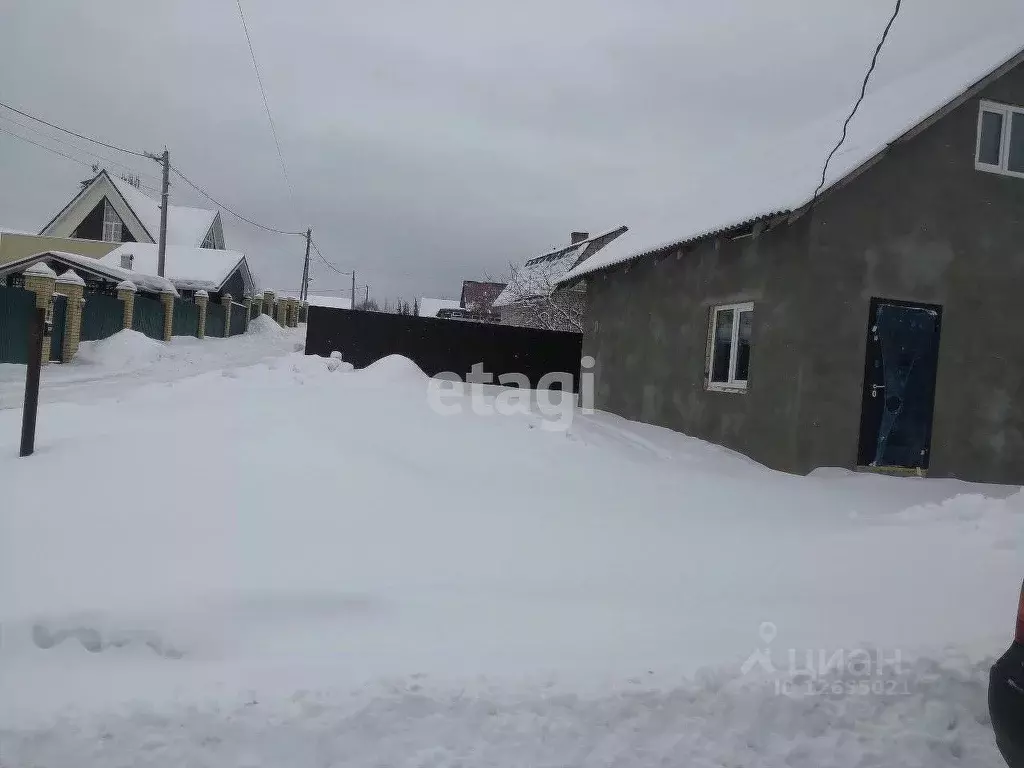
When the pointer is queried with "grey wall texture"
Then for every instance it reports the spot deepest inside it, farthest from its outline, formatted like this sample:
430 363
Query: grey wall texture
922 225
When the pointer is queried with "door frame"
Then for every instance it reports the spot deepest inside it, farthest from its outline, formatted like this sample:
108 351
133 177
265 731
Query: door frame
872 313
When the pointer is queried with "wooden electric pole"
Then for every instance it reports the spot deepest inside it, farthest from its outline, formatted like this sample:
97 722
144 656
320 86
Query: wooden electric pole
37 332
353 289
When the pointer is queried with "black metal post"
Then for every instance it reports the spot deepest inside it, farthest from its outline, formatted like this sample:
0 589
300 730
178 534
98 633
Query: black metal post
35 365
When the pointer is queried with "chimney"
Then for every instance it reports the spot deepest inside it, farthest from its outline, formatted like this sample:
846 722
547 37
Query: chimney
126 260
578 237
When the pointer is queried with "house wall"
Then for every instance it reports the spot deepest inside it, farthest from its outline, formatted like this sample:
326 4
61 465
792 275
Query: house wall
647 328
921 225
14 247
235 285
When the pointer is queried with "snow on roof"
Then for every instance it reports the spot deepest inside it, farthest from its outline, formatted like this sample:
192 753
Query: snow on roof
40 269
185 226
430 307
70 277
188 268
334 302
541 274
9 231
745 180
91 266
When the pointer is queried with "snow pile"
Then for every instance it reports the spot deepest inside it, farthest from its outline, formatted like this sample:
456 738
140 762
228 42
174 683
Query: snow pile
125 349
340 573
264 325
393 369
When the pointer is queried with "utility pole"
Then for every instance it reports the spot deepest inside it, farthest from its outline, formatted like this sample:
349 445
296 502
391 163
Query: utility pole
304 289
367 299
165 160
353 289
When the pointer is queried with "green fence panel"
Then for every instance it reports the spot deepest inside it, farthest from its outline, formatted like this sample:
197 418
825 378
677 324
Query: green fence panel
16 313
214 320
60 314
254 311
186 318
148 318
238 324
102 316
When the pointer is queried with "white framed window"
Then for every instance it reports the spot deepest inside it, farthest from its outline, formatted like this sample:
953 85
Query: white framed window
113 228
1000 144
728 364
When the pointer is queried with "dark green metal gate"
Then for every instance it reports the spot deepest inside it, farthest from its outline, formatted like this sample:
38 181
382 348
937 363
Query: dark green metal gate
16 308
148 318
186 318
102 316
214 320
60 314
238 318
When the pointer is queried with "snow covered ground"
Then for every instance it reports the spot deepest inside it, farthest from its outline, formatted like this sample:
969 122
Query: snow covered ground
273 560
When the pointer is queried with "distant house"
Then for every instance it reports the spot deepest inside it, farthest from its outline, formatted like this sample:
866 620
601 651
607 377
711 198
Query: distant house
872 325
430 307
479 296
217 272
532 297
334 302
112 210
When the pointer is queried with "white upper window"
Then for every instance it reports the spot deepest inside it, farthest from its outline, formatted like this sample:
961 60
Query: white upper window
728 362
1000 147
113 228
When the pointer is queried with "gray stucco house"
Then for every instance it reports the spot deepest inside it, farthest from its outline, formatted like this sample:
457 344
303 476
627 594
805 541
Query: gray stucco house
877 324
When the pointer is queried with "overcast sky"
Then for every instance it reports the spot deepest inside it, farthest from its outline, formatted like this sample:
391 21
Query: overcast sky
436 141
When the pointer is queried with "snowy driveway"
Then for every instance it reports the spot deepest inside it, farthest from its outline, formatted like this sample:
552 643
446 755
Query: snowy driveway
288 564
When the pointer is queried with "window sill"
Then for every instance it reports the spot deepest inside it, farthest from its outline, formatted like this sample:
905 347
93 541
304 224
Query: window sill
997 170
729 389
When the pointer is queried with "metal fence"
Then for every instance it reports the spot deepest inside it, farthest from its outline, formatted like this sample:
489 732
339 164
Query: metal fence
186 318
215 320
16 310
102 316
60 317
238 319
148 317
438 346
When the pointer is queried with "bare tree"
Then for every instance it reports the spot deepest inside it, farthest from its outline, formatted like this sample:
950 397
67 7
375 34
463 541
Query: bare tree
534 299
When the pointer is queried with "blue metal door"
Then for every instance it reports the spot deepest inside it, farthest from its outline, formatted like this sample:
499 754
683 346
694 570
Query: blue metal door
899 384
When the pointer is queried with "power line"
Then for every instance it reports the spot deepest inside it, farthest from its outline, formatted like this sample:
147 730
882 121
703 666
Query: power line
65 143
237 215
43 146
266 104
325 261
72 133
860 99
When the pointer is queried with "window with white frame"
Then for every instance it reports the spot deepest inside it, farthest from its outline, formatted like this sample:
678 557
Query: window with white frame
729 350
113 228
1000 147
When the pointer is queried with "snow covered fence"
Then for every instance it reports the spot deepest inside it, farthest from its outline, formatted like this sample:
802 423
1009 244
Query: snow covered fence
446 346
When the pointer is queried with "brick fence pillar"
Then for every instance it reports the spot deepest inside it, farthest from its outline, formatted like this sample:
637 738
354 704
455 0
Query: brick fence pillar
282 312
72 286
268 303
167 299
40 279
225 301
202 299
126 292
247 303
